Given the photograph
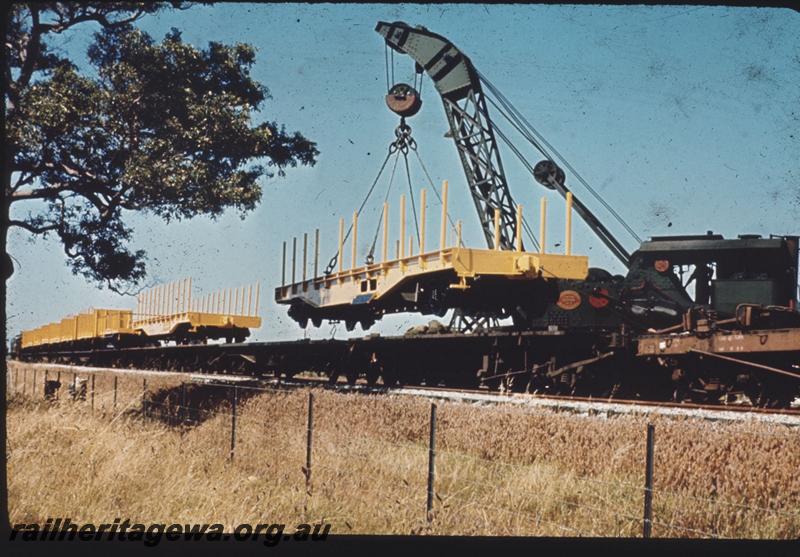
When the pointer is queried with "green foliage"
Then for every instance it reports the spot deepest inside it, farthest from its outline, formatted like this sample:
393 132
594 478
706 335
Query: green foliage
160 127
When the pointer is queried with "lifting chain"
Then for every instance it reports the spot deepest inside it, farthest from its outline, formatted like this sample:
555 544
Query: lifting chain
403 143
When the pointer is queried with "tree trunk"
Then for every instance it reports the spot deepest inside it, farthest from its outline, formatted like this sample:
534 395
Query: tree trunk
7 272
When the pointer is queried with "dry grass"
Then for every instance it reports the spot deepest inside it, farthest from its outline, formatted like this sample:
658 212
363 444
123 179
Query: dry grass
500 471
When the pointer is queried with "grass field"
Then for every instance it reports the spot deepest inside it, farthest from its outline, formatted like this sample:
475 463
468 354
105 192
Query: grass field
499 471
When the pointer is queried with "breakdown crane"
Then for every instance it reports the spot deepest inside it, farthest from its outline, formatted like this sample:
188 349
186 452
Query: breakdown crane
673 285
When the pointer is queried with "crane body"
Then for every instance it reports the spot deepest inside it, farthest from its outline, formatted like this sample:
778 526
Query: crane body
535 293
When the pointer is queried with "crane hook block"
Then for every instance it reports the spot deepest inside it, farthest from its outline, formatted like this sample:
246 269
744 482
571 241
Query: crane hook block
403 100
548 174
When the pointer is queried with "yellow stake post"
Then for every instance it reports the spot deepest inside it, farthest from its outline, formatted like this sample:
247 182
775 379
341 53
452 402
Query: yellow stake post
443 229
423 201
294 260
497 229
568 232
355 240
542 224
341 245
316 252
402 230
305 248
385 251
283 266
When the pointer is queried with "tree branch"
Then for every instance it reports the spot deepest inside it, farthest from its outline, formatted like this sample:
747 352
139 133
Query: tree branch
41 193
101 18
23 180
30 53
124 292
33 229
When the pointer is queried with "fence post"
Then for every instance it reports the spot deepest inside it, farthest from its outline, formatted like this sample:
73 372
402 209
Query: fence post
33 392
24 380
309 439
184 413
93 392
647 524
45 382
144 390
115 391
58 378
233 424
74 385
431 463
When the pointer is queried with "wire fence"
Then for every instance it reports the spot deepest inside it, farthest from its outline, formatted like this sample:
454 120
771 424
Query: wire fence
439 481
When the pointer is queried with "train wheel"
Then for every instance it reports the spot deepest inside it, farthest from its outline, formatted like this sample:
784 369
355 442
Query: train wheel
372 377
564 384
771 393
411 376
492 383
515 382
389 376
613 392
680 394
471 381
767 399
432 377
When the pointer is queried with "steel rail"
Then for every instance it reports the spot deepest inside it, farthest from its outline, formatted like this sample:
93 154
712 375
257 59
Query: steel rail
418 390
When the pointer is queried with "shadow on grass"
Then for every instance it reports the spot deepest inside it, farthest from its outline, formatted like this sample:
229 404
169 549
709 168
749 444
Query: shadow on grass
191 404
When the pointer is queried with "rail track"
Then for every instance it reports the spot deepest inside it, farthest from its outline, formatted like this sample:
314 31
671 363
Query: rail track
589 406
609 407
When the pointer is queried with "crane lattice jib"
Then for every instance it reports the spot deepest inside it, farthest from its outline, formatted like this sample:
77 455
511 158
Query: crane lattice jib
458 83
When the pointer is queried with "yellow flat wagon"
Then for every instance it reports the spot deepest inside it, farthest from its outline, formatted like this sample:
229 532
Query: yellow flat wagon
90 324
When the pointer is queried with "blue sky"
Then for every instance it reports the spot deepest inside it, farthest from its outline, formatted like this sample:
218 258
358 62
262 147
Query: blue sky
685 119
